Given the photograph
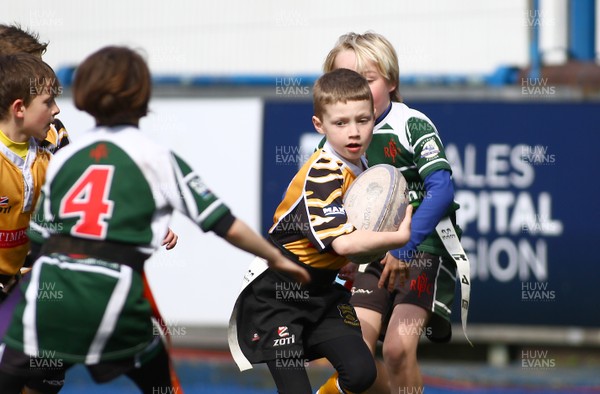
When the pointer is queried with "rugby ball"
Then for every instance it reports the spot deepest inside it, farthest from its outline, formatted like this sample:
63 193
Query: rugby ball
376 201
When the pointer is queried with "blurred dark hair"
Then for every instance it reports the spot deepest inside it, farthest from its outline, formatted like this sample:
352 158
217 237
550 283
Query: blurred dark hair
113 85
14 39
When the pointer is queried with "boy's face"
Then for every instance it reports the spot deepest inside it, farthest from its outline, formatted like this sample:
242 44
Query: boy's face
38 115
380 87
348 128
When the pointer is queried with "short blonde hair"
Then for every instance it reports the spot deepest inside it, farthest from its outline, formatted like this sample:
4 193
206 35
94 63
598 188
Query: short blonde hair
373 47
341 85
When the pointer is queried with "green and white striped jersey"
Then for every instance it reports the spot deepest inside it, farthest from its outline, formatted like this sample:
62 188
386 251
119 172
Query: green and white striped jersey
406 139
118 185
113 184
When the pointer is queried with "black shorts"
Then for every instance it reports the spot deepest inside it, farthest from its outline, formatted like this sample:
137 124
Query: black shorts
47 375
279 318
430 285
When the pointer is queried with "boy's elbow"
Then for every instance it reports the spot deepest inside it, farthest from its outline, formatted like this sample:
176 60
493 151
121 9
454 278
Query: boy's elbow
343 247
232 232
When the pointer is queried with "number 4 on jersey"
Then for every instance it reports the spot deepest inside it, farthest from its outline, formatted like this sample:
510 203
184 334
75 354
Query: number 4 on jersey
88 200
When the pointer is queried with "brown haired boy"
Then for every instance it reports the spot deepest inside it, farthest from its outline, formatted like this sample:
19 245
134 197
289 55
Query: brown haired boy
15 39
278 321
27 107
104 216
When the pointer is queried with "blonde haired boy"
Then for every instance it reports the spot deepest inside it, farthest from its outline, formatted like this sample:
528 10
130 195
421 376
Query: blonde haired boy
411 291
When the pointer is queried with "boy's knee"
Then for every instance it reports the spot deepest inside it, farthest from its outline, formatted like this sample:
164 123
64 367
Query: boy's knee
396 356
358 378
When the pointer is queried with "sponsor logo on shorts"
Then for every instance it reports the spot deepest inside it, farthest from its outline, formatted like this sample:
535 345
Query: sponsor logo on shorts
255 337
55 382
360 291
284 341
283 331
349 315
284 337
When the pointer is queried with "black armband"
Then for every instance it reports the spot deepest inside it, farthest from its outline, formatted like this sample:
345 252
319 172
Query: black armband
223 225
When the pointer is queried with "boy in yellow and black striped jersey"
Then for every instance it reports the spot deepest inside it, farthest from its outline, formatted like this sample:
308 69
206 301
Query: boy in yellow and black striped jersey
278 321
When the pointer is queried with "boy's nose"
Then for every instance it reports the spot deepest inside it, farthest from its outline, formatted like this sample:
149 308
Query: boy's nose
353 129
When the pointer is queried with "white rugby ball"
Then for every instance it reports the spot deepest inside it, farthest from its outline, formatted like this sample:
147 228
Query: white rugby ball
376 201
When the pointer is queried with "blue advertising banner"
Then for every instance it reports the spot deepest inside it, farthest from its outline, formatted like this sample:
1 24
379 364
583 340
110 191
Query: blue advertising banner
524 177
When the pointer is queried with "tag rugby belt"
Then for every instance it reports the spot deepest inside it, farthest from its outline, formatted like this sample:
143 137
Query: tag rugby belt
117 252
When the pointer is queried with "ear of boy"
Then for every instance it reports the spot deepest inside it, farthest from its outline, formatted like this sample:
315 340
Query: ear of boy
18 107
9 124
318 125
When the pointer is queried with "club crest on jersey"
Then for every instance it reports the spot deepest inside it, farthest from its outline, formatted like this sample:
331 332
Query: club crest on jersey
334 210
430 149
99 152
392 150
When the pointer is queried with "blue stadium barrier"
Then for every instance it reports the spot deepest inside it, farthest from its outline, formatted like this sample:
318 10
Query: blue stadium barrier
502 76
